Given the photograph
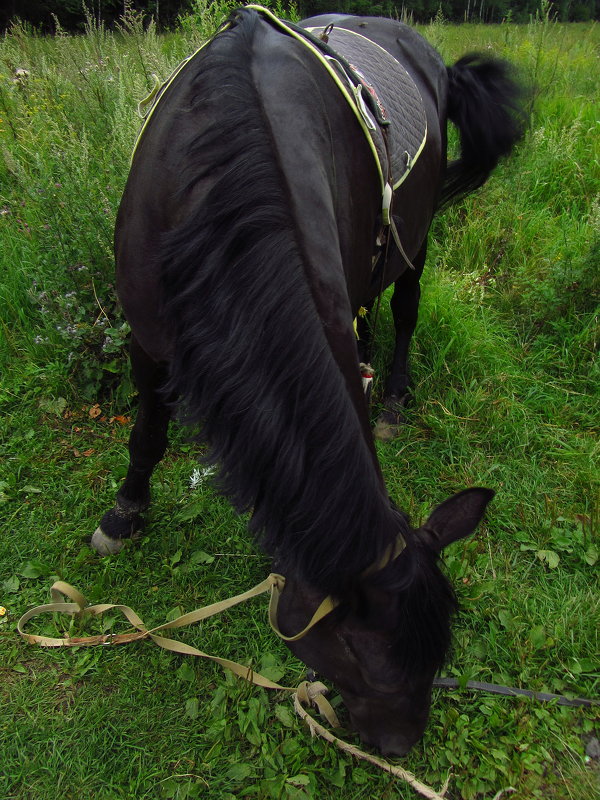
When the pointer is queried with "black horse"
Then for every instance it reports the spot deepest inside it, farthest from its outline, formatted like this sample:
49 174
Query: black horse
244 246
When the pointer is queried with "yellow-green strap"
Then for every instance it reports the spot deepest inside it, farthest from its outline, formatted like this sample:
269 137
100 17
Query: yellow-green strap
342 86
142 110
159 89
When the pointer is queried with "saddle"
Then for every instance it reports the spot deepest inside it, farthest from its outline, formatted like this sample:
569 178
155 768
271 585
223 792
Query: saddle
384 94
385 100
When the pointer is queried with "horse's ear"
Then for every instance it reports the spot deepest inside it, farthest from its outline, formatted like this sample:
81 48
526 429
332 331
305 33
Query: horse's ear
456 517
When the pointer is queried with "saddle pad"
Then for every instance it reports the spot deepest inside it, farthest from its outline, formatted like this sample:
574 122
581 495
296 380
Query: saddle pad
393 89
387 80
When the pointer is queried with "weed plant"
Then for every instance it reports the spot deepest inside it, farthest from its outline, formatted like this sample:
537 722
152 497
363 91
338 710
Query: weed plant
505 369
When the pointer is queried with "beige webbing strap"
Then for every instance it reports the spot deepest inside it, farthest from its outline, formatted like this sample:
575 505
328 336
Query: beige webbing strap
391 553
305 695
79 607
314 694
326 606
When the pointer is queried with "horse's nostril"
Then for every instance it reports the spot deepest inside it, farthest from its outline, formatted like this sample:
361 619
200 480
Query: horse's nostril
388 746
395 750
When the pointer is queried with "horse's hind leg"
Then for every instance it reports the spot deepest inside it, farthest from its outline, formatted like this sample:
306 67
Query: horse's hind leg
147 444
405 310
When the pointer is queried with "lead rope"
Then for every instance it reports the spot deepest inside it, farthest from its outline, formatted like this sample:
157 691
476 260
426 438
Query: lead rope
316 729
306 694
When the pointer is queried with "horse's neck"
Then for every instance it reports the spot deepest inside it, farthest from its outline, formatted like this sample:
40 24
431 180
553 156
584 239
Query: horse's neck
339 519
268 318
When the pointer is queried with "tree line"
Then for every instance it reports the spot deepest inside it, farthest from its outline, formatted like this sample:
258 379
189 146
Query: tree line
71 14
459 10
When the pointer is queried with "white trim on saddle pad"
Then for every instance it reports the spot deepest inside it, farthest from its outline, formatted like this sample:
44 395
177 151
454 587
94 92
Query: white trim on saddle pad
395 93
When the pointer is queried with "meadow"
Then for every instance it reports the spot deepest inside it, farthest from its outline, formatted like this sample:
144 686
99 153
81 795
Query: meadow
506 377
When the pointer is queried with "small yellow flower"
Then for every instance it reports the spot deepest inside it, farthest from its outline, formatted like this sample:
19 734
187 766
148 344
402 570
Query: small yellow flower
2 611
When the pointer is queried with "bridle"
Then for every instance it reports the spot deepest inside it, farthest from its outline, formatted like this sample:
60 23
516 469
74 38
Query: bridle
329 603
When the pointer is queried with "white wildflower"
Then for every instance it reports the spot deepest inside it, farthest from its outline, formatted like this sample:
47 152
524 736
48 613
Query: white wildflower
199 476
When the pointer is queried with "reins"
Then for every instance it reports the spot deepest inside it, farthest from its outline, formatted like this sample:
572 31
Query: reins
307 694
79 607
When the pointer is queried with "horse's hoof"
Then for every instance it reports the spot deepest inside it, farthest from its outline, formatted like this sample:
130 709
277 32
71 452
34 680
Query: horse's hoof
385 431
105 545
392 418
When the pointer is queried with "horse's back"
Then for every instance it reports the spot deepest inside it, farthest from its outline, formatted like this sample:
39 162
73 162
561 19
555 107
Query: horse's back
320 153
322 156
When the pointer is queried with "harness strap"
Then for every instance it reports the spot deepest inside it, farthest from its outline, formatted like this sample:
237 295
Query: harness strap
326 606
388 218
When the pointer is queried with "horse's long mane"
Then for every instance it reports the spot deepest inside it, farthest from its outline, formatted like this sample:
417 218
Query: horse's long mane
425 601
252 364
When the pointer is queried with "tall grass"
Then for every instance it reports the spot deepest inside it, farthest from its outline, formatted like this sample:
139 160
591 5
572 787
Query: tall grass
505 368
67 106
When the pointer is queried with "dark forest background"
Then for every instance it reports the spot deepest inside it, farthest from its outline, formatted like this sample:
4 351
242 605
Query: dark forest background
71 14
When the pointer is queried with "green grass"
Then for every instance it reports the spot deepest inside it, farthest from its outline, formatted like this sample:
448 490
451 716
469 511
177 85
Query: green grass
505 367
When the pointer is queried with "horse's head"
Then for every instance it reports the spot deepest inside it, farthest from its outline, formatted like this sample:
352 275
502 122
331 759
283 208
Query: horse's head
384 643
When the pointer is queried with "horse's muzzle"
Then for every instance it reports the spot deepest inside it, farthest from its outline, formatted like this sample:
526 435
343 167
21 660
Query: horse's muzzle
389 745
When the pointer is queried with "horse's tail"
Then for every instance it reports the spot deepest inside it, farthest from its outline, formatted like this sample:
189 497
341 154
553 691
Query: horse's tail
485 102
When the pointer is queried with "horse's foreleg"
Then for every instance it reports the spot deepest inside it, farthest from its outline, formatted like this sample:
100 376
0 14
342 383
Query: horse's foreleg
147 444
405 309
